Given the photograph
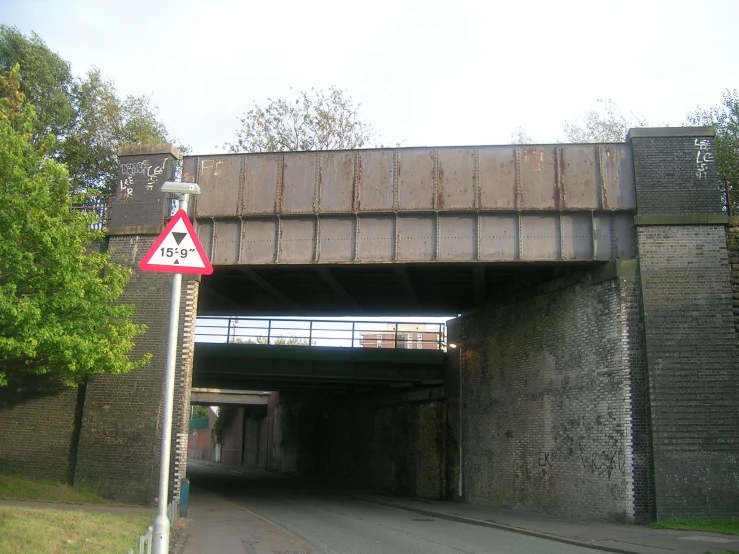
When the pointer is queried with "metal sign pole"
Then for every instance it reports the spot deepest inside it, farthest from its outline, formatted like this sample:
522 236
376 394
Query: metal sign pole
162 523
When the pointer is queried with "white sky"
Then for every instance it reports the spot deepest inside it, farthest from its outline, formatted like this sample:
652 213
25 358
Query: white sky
425 72
326 331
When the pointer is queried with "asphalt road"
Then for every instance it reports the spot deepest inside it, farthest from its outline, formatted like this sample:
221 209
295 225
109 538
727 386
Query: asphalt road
331 523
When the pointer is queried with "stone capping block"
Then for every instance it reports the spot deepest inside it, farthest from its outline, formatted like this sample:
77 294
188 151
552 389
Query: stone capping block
625 269
689 219
149 150
670 132
137 230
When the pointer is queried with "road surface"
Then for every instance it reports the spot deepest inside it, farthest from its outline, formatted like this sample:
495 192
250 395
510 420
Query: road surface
330 523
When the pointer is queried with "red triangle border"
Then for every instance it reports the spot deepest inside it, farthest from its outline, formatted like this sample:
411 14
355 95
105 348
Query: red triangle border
181 215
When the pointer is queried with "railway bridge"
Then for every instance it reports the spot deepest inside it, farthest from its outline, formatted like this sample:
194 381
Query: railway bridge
588 296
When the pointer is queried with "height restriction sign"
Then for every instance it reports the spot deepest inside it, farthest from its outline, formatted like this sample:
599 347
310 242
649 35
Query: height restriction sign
177 250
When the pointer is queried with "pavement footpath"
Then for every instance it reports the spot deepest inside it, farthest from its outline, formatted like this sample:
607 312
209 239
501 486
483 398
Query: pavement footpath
609 537
217 525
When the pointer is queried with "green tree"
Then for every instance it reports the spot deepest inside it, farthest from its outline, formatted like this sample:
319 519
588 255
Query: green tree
315 120
725 118
46 82
225 418
605 125
199 411
58 310
86 115
104 122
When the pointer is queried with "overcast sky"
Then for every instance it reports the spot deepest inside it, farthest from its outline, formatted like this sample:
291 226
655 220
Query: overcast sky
425 72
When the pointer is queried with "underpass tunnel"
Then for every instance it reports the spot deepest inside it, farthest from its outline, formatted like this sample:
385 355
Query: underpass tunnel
350 418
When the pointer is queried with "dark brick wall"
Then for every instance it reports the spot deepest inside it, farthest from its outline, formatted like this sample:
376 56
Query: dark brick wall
387 442
553 402
137 200
675 175
255 438
120 440
121 431
293 444
692 358
689 326
233 439
393 443
36 431
732 245
183 382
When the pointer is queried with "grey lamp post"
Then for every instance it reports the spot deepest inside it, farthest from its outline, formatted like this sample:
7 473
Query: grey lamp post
161 523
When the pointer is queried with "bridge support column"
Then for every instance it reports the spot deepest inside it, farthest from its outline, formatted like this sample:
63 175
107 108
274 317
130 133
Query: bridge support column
120 439
552 398
688 320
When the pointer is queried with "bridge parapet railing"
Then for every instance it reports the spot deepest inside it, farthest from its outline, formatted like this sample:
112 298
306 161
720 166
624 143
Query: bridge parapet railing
730 196
412 335
100 206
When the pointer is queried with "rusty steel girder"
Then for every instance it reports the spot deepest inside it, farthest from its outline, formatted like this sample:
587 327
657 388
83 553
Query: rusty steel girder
492 203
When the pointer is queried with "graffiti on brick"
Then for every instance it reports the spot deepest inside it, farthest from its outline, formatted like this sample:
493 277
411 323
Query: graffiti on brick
703 157
144 168
126 187
604 463
522 471
153 174
617 491
599 450
545 459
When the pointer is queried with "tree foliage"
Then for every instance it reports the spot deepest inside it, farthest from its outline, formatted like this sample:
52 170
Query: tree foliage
199 411
85 115
315 120
605 125
725 118
103 123
224 419
46 82
58 311
520 136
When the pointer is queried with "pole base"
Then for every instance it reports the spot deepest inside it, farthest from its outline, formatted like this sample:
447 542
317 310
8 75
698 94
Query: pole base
160 545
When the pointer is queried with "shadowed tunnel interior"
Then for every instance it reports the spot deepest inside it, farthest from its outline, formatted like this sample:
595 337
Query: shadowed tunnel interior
391 289
378 419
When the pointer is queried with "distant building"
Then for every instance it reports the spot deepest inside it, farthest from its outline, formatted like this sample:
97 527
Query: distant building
199 444
412 336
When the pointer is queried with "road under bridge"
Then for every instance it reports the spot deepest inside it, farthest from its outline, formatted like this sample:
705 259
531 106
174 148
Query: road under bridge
579 386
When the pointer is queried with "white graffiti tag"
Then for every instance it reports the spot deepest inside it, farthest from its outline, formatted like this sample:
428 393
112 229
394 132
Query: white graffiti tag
135 168
126 187
703 157
153 172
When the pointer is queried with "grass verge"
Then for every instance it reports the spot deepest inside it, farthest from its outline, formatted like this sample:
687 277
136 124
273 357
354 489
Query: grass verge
69 532
715 525
50 491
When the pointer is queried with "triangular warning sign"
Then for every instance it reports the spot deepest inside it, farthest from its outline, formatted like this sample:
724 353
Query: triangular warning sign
177 250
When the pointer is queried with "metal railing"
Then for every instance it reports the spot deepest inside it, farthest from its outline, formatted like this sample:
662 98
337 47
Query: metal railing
322 332
146 540
98 205
730 195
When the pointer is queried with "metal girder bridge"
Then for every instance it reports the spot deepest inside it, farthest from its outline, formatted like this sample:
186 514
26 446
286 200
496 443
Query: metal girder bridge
410 230
270 367
496 203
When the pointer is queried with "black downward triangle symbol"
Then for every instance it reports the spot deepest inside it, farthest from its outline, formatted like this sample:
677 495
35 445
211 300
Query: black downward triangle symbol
177 262
178 237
